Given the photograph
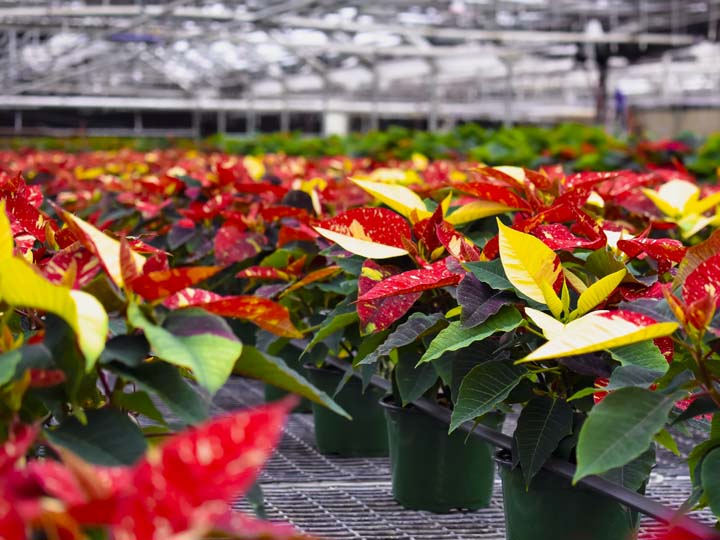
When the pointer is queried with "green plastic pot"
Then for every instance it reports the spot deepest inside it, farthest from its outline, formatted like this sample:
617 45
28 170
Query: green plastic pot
432 470
363 436
552 509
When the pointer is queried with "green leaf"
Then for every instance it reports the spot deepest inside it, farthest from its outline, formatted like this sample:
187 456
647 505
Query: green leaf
139 402
633 475
491 273
642 354
665 439
631 375
456 337
109 438
165 382
8 362
129 350
253 363
483 388
620 428
542 424
334 324
413 381
710 478
416 326
701 405
194 339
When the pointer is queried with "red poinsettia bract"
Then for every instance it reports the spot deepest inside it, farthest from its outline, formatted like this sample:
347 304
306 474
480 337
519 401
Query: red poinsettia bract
182 488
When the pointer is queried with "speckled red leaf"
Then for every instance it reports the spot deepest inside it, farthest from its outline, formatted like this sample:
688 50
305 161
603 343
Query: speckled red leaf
20 438
493 192
665 344
189 481
198 211
76 259
264 273
163 283
297 233
558 236
24 217
139 246
233 245
263 312
425 231
664 250
377 315
541 180
703 281
377 225
435 276
456 244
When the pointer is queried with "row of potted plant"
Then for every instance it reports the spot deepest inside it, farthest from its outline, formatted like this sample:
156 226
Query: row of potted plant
575 297
579 147
286 255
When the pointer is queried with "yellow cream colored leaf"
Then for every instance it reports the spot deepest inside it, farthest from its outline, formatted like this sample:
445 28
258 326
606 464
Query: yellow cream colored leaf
565 297
401 199
674 196
107 248
551 299
364 248
703 205
254 167
576 283
477 210
420 162
528 262
445 204
6 237
599 291
22 286
594 332
596 200
550 326
517 173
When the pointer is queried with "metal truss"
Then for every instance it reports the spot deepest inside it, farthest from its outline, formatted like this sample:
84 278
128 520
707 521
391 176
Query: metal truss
526 59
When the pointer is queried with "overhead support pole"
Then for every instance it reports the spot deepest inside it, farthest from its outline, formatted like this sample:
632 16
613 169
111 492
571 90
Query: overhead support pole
18 124
508 120
137 122
222 121
434 97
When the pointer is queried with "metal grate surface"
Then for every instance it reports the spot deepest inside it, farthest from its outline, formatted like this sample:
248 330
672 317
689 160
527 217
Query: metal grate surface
350 498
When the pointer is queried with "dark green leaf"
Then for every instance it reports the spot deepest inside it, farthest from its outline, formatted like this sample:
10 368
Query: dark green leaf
456 337
129 350
109 438
413 381
139 402
630 375
253 363
701 405
484 388
633 475
710 478
491 273
334 323
542 424
165 382
642 354
620 428
406 333
479 301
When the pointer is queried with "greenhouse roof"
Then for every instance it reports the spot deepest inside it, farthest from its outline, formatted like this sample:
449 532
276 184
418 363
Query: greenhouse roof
459 57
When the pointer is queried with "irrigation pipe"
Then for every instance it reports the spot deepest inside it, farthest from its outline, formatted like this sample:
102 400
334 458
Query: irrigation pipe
629 498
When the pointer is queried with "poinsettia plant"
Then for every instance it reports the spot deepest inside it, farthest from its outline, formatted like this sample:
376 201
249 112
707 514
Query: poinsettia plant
182 487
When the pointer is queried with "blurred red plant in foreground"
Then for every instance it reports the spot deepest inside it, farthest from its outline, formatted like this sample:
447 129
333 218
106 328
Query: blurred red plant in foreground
182 488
